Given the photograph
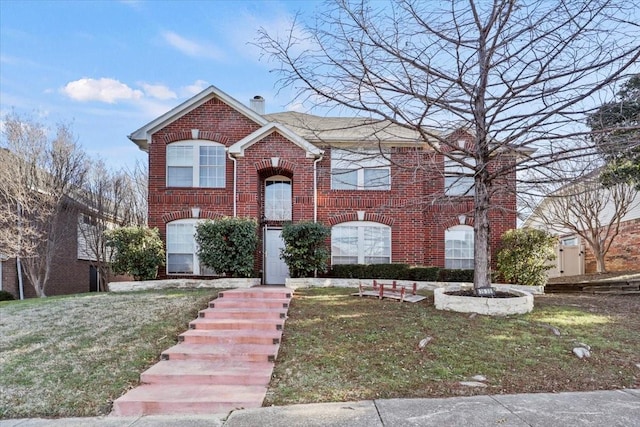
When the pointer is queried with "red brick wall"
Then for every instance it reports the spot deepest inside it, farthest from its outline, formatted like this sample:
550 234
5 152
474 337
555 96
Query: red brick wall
624 254
414 207
68 274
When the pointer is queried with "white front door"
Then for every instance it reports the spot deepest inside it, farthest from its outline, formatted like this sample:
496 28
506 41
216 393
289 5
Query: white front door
276 271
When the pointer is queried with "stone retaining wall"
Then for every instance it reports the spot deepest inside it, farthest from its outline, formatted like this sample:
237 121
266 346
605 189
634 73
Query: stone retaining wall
145 285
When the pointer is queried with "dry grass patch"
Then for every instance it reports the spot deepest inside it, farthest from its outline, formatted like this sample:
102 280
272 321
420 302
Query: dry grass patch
337 347
72 356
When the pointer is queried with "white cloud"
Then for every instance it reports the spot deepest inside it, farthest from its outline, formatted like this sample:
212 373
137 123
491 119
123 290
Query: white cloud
192 48
103 90
195 88
158 91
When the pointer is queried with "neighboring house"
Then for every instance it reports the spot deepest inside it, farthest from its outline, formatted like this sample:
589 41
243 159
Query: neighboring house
73 267
212 156
575 256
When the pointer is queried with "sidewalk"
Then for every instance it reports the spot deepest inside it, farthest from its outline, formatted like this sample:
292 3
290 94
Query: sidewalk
596 408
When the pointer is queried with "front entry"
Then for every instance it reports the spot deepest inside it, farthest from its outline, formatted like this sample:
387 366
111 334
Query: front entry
275 269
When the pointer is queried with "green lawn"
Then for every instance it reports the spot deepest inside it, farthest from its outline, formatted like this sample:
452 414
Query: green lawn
72 356
338 347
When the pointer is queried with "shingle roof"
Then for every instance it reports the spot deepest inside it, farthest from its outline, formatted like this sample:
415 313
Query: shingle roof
345 129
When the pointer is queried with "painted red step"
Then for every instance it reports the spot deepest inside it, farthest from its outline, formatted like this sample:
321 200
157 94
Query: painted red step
231 372
223 362
188 399
227 324
238 336
278 293
242 313
211 352
250 303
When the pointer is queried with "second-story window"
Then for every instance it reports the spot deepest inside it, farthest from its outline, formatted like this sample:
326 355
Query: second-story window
360 170
277 198
196 164
459 176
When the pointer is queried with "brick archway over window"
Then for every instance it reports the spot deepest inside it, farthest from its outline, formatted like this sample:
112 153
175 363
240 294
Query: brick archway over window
187 214
266 168
186 135
368 216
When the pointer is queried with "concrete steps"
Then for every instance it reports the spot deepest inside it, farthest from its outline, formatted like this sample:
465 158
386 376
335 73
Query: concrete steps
163 399
223 362
238 336
192 372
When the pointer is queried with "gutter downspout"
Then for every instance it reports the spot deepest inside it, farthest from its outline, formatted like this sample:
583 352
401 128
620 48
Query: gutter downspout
235 183
315 188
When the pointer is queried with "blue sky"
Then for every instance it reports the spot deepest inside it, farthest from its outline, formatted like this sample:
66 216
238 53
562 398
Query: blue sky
109 67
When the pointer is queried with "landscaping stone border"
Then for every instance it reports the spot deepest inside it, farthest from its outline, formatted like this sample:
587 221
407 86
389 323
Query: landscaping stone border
146 285
310 282
490 306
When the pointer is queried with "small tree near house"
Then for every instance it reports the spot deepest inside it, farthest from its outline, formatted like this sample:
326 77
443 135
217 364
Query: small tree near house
138 251
305 251
227 245
591 210
525 255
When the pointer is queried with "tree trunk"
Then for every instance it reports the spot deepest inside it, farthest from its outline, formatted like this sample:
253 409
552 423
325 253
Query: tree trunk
600 265
481 242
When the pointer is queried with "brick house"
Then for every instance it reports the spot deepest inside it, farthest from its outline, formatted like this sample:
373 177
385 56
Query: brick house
385 194
72 268
575 257
72 271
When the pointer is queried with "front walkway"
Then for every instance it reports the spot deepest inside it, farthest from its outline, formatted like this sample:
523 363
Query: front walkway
223 362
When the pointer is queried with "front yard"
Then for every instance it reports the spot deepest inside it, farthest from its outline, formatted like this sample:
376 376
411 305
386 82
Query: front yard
71 356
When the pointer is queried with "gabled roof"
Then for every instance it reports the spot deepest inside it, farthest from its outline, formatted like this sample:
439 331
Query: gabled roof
238 148
142 137
345 129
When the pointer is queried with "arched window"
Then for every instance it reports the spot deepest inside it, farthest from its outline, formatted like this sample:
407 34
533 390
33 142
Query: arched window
182 248
360 242
277 198
458 247
196 164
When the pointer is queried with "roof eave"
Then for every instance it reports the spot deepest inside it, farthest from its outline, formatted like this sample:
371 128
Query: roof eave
142 136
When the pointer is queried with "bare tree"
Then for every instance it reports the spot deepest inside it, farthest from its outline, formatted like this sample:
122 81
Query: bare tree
519 75
590 210
38 175
110 199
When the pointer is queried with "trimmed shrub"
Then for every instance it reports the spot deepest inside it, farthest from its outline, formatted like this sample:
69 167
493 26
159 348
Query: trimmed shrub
453 275
138 251
228 245
348 271
423 274
305 248
387 271
6 296
525 255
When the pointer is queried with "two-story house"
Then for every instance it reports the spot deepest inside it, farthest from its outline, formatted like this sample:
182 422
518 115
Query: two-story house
387 196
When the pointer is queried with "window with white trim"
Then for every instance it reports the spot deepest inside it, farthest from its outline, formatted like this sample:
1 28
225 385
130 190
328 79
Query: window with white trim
360 170
458 247
277 198
196 164
182 255
458 178
360 242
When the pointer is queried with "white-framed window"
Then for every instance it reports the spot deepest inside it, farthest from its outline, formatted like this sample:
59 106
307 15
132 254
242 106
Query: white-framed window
569 241
458 247
360 170
182 255
458 178
277 198
360 242
196 164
